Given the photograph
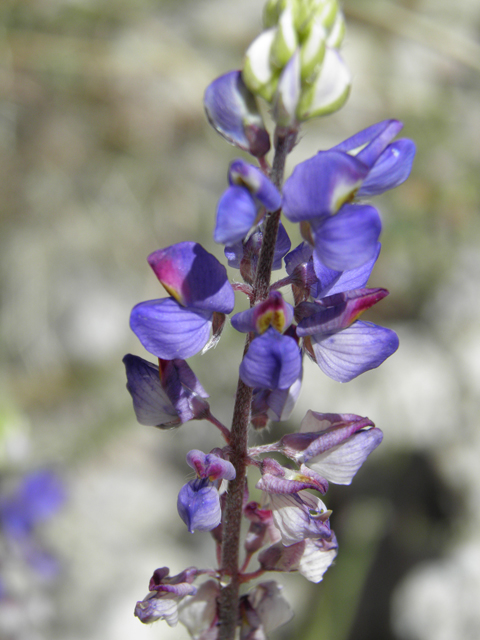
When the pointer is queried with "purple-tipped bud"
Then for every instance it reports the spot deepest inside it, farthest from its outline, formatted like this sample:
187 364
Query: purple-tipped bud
198 505
210 466
232 111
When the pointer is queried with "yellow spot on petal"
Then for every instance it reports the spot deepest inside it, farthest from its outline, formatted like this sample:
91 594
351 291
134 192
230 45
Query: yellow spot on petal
174 293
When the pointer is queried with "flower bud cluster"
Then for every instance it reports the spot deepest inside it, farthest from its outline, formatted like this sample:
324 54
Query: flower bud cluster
294 63
290 65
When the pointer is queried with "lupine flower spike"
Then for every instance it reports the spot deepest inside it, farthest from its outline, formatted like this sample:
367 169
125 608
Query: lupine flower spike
294 66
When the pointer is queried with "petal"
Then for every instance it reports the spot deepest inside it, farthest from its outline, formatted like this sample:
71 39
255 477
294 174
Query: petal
150 401
184 375
183 389
320 432
374 149
348 239
272 312
298 516
338 311
210 466
292 481
359 348
168 330
246 175
298 256
339 464
194 277
199 613
317 556
273 361
391 169
281 248
232 111
310 557
152 608
198 505
270 606
319 186
288 93
257 73
361 139
281 402
331 282
329 90
236 213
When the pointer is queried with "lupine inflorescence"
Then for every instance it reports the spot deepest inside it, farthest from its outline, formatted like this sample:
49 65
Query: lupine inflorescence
295 66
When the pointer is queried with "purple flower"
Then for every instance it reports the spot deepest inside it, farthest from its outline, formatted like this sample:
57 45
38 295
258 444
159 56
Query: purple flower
343 346
198 502
325 185
210 465
198 505
232 111
273 361
298 516
333 445
164 396
240 206
278 479
179 326
272 312
161 603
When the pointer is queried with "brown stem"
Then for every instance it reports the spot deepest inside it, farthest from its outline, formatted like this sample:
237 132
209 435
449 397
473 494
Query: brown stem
228 600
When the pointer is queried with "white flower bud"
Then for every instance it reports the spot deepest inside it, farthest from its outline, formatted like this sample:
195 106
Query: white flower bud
258 74
329 91
285 41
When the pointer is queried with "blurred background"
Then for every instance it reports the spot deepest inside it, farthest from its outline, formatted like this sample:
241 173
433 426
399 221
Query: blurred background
105 156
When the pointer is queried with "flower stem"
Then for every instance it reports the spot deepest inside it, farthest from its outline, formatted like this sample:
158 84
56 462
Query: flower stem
228 600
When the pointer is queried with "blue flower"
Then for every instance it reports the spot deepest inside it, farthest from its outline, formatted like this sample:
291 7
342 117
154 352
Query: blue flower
200 296
343 346
273 360
244 203
198 502
320 191
164 396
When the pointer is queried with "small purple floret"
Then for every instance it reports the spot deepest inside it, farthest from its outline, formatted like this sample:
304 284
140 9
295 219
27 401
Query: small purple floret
198 505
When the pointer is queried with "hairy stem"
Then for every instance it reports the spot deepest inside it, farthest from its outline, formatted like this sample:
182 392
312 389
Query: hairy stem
232 519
